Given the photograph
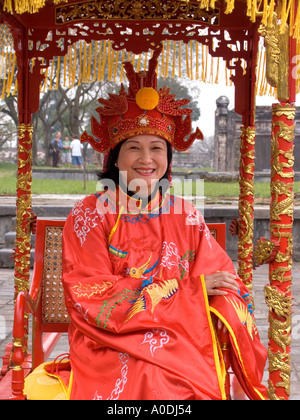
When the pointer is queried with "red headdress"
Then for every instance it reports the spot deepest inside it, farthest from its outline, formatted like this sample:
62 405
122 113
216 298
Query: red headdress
142 110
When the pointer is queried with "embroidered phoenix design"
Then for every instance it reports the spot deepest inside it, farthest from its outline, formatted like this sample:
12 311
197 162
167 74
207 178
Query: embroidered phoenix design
243 314
152 295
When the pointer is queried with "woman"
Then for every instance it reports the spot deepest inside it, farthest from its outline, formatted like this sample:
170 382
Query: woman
147 287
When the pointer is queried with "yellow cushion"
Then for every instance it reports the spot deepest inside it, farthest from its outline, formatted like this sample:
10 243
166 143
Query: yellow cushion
41 386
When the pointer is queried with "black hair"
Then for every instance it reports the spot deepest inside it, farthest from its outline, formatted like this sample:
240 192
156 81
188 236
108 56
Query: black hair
112 172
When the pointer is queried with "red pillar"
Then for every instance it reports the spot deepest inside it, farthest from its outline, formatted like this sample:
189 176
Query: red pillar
246 205
278 292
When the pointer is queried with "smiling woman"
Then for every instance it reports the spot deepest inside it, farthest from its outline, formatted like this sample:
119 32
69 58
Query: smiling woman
143 161
118 163
152 297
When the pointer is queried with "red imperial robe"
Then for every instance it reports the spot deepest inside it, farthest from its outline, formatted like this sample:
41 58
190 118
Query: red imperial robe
142 324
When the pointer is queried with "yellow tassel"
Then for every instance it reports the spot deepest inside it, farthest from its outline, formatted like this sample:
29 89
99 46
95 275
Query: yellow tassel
202 63
74 66
11 74
226 76
218 71
187 60
116 65
179 61
57 72
211 77
249 7
133 59
100 63
263 76
122 68
70 68
205 63
46 79
65 68
258 70
51 75
191 64
291 18
197 60
7 6
284 15
109 61
296 27
95 60
4 80
145 61
138 68
2 63
265 13
90 64
253 10
229 6
84 69
167 59
113 53
104 55
174 59
80 53
162 66
16 87
271 12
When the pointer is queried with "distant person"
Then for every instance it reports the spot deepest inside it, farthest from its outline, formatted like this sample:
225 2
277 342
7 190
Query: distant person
76 148
56 147
66 156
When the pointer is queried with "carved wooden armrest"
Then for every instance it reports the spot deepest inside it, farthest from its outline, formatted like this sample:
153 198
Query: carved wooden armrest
24 305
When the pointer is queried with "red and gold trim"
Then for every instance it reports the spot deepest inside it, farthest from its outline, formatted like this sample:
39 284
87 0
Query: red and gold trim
142 124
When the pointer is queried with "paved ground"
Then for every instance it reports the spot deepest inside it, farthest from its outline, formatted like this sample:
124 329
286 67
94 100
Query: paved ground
260 279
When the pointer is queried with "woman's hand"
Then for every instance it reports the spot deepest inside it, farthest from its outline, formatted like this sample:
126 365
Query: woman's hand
220 280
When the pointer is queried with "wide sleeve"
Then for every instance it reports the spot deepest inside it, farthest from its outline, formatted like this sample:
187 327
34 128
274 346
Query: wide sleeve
210 257
247 355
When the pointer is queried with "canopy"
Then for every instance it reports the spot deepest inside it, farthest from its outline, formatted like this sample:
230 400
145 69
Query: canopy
192 51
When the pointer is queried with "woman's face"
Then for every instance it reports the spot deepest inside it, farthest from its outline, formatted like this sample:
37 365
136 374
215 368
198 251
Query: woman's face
142 161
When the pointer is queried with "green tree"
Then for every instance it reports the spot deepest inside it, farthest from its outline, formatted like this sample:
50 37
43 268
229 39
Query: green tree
178 88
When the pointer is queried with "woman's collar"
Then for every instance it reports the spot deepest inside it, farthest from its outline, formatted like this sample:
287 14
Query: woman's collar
132 203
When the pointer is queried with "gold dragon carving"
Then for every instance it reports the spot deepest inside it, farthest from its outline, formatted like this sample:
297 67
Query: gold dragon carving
23 216
278 293
245 223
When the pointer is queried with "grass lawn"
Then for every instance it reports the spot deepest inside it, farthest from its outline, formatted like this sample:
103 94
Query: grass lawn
44 186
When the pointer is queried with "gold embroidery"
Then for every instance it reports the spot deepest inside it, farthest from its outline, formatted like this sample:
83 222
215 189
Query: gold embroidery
138 272
278 301
89 290
156 292
243 314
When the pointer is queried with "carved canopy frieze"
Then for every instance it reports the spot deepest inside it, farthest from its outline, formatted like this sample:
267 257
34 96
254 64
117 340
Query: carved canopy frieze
136 10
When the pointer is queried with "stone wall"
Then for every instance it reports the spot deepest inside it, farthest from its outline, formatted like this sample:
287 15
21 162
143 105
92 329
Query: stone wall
227 137
212 214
